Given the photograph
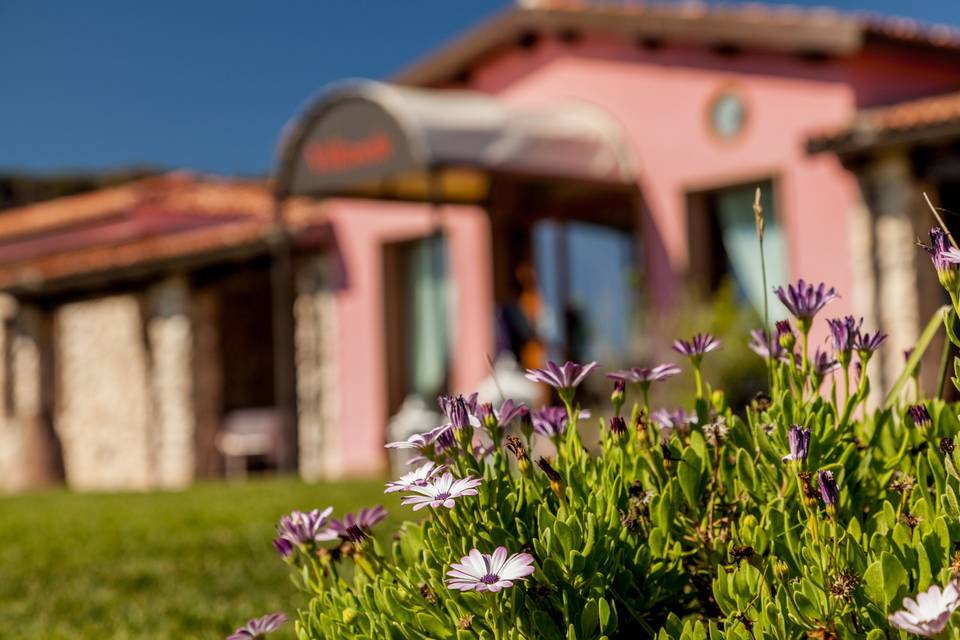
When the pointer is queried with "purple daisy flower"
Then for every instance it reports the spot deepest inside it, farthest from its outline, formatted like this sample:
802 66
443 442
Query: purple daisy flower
489 572
283 547
670 421
695 348
763 346
259 627
844 333
822 364
481 450
676 419
804 300
417 478
646 375
799 444
509 411
458 409
828 488
552 421
946 259
416 441
364 519
441 492
867 343
442 437
569 376
301 528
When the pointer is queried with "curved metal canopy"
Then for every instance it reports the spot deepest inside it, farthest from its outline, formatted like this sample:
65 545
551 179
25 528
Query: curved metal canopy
358 135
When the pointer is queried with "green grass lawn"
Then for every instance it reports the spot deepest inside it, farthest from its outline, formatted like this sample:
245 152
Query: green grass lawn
192 564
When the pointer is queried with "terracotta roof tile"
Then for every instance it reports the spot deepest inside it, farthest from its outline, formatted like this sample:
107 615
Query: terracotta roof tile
877 125
139 224
767 27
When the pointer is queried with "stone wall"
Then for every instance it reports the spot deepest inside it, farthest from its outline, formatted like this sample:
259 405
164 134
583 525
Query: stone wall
898 287
171 350
124 409
317 375
13 472
103 408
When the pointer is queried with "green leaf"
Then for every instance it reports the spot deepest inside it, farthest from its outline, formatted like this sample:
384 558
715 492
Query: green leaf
589 619
745 470
689 470
918 350
883 579
949 502
545 626
605 617
433 626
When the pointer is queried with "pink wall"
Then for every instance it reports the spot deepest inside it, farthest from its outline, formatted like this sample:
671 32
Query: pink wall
360 228
663 107
661 98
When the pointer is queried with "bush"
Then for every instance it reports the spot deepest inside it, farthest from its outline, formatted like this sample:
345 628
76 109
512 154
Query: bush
809 516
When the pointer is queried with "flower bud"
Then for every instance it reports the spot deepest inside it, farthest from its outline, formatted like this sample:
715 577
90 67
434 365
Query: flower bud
785 336
810 494
920 416
828 489
618 427
946 260
618 397
487 416
799 439
781 570
556 482
515 446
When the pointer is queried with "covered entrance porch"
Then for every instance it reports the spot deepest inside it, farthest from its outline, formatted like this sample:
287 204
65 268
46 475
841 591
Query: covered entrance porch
465 229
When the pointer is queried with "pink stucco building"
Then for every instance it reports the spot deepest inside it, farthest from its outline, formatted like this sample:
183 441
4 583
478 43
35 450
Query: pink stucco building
709 104
526 189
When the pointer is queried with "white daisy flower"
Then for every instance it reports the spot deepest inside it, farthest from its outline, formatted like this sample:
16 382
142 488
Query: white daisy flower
929 613
442 491
489 572
417 478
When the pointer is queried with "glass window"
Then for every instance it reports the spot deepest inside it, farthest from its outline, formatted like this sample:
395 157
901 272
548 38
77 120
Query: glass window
723 241
586 274
417 319
428 318
738 232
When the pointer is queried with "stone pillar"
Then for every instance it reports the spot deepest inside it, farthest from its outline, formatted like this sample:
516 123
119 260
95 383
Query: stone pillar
316 360
31 395
892 197
170 342
13 471
103 411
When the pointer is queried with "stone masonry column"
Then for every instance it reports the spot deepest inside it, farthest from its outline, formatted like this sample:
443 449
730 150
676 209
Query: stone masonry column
317 376
32 396
170 339
892 196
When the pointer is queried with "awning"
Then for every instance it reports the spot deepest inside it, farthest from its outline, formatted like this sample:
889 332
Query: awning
369 138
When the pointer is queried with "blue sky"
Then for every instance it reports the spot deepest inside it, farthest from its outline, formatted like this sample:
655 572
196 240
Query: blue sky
207 85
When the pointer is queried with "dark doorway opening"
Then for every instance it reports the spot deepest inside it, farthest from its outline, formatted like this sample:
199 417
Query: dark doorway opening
248 426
